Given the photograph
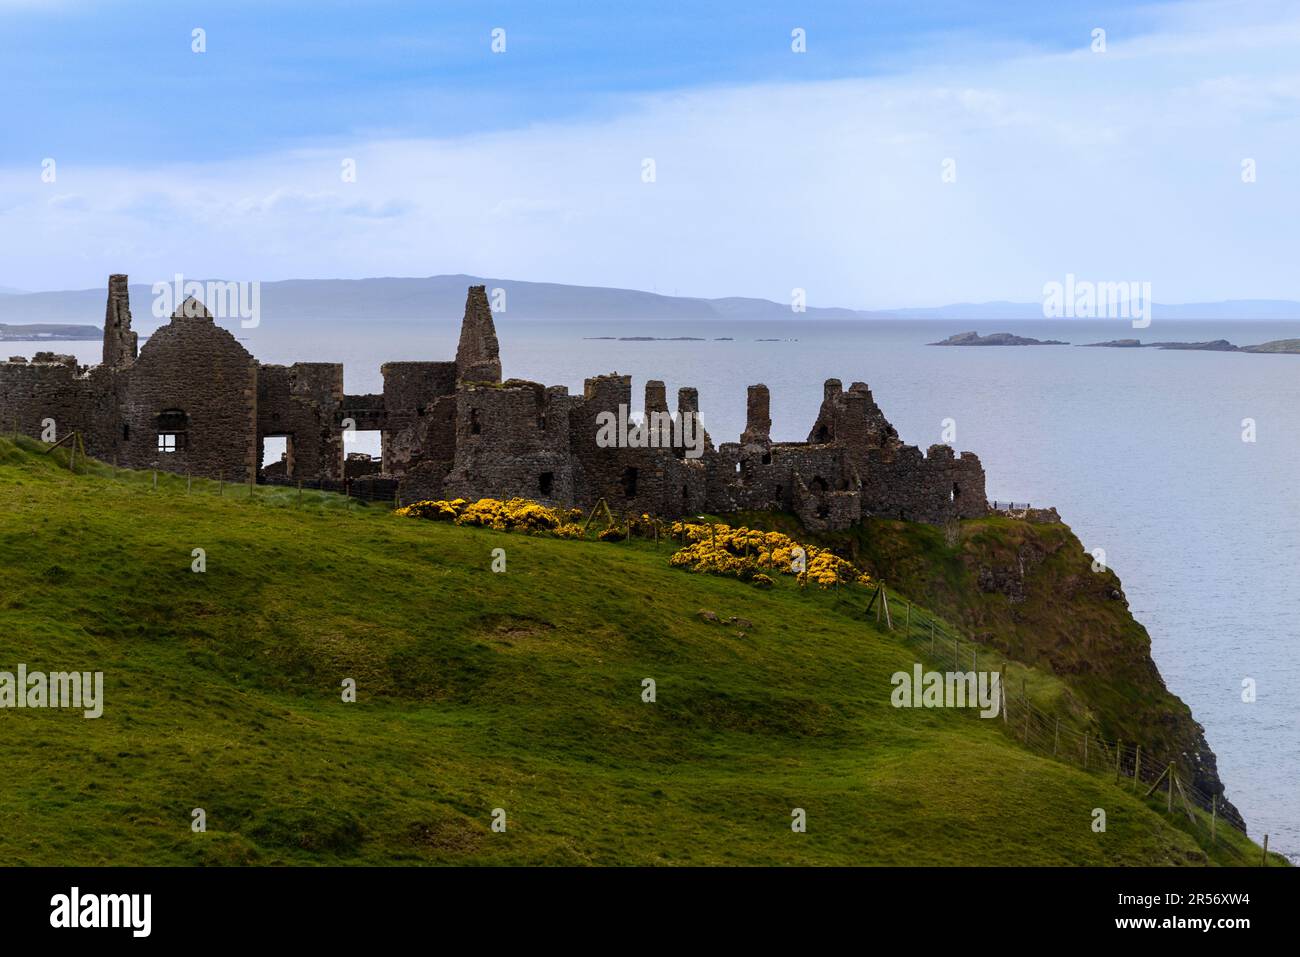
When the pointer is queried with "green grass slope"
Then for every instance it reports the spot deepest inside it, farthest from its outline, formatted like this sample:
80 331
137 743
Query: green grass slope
477 690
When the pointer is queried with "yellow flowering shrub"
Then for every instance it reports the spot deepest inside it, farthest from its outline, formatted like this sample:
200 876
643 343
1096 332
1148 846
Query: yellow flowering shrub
743 553
437 511
517 514
746 553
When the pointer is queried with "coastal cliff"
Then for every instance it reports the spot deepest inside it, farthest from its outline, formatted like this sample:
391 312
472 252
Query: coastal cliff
1029 590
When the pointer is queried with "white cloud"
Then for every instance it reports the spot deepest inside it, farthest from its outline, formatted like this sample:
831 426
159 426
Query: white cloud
1123 165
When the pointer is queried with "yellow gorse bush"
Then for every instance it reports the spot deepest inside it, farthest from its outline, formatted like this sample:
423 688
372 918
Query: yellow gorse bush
744 553
747 552
517 514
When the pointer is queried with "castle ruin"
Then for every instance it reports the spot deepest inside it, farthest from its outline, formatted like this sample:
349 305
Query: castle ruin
193 400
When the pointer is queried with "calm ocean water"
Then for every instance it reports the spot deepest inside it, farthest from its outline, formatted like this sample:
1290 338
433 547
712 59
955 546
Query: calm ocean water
1140 450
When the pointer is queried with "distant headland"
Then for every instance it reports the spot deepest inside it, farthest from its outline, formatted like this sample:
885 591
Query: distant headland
47 330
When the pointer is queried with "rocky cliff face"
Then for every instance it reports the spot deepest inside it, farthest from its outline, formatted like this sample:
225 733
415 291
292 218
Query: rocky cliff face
1029 590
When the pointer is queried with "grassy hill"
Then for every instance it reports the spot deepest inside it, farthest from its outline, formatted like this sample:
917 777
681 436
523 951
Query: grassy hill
477 690
1029 591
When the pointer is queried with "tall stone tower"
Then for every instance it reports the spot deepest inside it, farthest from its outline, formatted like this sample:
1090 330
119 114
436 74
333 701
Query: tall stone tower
120 343
478 357
758 417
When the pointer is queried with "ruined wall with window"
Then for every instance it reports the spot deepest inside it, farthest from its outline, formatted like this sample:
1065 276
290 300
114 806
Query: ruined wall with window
192 402
512 440
301 402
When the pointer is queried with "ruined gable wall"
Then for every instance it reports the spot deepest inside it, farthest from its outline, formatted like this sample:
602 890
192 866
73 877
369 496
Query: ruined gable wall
194 365
478 355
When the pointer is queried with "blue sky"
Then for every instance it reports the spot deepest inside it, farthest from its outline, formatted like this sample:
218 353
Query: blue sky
115 81
773 169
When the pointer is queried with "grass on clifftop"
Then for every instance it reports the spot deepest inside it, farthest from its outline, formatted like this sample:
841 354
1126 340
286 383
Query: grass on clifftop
520 691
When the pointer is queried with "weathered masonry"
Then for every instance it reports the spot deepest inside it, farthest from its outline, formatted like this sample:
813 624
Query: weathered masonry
194 400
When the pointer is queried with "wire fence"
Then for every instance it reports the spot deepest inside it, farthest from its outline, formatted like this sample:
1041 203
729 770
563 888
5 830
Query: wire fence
366 488
1046 734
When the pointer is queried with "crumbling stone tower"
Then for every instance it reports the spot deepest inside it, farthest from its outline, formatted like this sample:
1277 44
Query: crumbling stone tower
478 356
758 419
120 343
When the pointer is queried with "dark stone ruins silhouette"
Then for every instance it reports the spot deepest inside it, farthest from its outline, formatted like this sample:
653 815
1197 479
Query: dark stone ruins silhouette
194 400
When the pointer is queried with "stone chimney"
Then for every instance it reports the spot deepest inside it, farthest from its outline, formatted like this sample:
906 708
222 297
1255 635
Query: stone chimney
688 403
120 343
478 357
656 397
758 419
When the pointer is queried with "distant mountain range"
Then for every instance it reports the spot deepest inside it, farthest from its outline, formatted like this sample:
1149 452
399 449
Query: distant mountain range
443 297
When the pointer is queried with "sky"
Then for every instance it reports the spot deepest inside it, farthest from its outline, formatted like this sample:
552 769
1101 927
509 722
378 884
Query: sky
914 154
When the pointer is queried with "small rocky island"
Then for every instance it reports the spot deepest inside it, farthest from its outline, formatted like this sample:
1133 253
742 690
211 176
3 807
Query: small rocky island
1214 345
995 339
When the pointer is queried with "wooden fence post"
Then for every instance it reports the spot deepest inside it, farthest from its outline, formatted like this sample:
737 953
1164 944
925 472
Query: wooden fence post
1264 862
1169 805
1214 820
1119 752
1137 767
1056 738
155 480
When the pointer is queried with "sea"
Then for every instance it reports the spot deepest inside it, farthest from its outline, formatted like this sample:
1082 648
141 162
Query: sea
1184 466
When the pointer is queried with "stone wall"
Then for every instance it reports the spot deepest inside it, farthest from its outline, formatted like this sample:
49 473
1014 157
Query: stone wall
301 402
53 388
195 381
512 440
410 390
454 429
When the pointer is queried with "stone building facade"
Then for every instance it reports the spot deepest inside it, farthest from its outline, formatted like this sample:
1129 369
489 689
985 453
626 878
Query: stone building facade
192 399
